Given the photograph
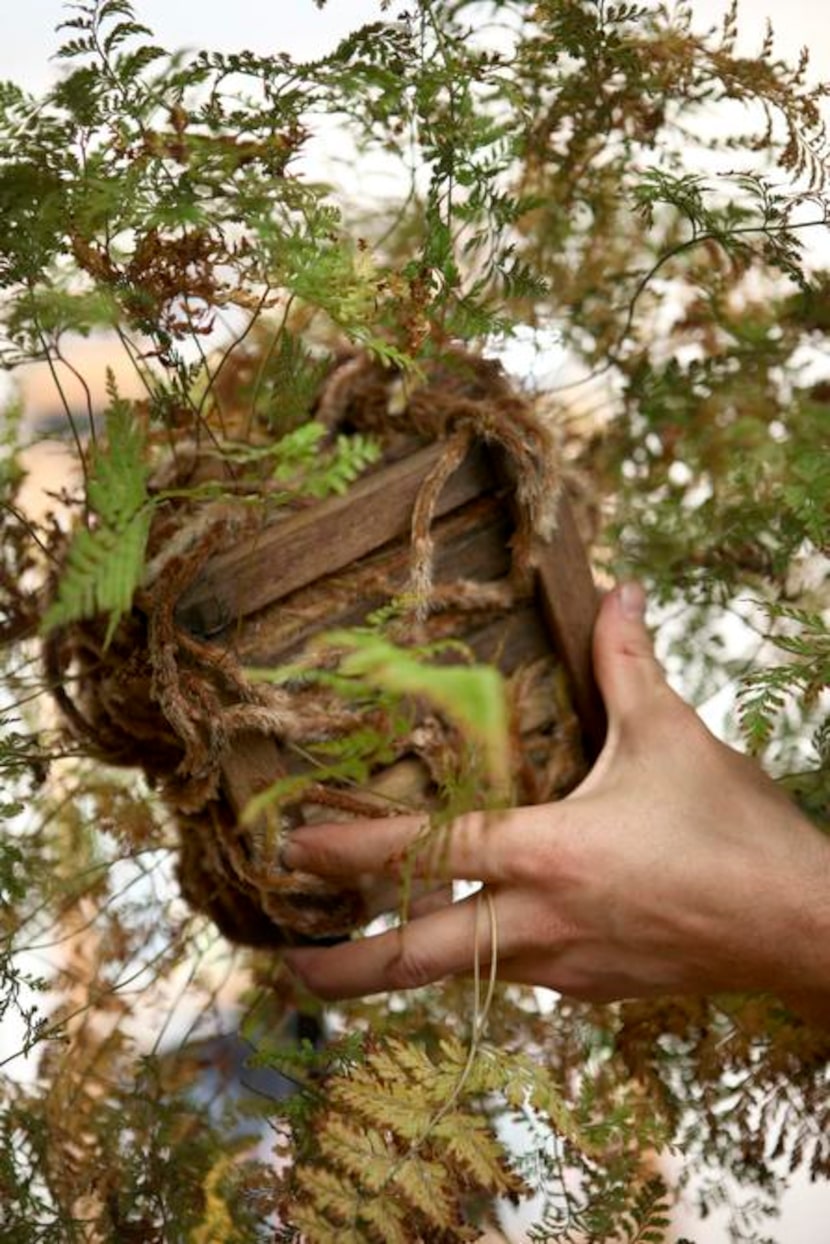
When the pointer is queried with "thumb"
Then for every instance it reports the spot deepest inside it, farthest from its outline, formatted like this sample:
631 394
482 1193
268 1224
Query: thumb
626 668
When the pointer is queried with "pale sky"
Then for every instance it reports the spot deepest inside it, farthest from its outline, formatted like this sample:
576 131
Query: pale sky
27 36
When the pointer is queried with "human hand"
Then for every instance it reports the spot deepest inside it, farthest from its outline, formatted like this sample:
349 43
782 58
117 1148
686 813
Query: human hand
677 866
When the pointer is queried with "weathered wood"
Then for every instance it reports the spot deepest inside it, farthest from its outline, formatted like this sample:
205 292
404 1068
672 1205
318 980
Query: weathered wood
569 602
509 642
329 566
568 599
249 767
471 542
317 542
345 534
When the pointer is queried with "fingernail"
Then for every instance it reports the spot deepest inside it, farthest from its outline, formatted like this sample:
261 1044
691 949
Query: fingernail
632 600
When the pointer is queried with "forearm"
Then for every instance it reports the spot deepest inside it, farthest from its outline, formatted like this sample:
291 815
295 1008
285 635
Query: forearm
811 997
802 930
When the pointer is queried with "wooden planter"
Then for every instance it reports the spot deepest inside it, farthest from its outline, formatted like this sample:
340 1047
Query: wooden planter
264 596
172 692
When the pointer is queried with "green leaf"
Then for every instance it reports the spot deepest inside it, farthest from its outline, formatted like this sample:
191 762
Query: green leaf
472 697
105 561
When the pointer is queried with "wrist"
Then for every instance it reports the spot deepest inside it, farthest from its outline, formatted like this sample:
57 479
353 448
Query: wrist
804 930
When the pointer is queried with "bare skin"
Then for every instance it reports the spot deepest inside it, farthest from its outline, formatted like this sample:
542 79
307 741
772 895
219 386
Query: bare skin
677 866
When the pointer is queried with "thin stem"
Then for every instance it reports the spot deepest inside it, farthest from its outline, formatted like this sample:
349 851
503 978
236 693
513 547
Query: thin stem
31 530
697 240
65 403
265 362
70 367
233 345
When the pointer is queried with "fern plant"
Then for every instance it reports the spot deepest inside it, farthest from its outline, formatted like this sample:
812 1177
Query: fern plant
104 562
557 174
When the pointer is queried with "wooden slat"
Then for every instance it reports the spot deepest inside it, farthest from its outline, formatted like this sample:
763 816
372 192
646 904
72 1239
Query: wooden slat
300 549
569 601
471 542
250 766
316 542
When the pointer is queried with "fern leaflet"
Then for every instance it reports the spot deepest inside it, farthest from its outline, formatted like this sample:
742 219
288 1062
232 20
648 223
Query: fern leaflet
104 562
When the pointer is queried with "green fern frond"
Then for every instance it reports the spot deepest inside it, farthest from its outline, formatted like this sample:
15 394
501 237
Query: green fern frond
766 693
472 698
648 1218
103 568
303 462
104 562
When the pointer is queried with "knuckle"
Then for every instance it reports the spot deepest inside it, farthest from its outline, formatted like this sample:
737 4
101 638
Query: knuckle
528 868
410 967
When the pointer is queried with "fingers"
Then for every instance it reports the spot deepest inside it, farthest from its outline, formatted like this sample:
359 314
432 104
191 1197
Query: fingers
440 944
386 895
477 847
347 848
605 980
444 944
627 671
528 937
429 900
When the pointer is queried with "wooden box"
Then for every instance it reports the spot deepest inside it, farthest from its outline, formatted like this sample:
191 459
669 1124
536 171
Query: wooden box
229 591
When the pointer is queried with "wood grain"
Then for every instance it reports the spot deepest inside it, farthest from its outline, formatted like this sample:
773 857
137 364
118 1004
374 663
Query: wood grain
309 545
249 767
303 549
569 602
471 542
